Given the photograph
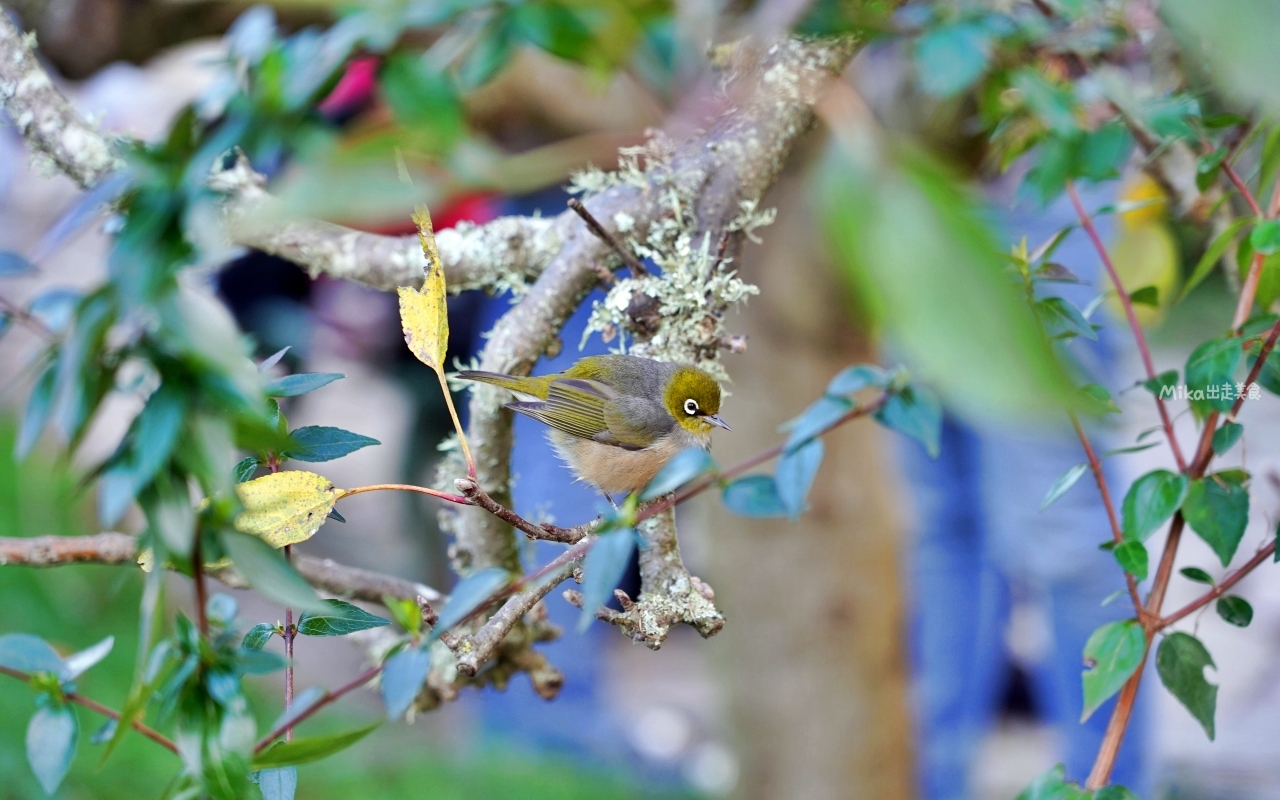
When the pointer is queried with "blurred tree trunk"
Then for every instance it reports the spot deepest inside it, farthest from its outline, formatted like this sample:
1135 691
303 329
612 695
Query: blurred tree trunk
815 664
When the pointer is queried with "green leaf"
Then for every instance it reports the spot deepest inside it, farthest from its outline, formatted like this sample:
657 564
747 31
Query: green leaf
51 745
851 380
476 590
27 653
1098 399
1217 509
916 413
405 612
1180 662
1150 501
489 54
1196 574
795 473
402 677
604 566
1213 254
1162 385
817 419
951 58
688 464
754 496
1064 482
1062 319
1146 296
1132 557
1051 785
243 471
1211 366
1225 437
1053 103
341 618
36 416
1112 654
1236 610
258 636
1114 792
927 266
294 385
309 748
315 443
280 783
1104 151
77 664
266 571
1266 237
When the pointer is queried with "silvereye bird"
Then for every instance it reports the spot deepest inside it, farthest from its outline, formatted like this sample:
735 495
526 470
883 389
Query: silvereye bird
616 420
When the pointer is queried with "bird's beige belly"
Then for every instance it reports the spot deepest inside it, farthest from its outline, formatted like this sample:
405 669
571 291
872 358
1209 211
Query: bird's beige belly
613 469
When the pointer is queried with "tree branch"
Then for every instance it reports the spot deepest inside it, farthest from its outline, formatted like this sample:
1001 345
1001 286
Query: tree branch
121 548
94 705
44 117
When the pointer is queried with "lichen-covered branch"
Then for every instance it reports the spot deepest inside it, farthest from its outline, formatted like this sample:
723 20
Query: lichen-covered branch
722 171
44 117
121 548
499 255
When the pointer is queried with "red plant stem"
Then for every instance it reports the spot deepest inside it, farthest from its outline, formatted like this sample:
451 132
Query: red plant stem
326 699
197 571
1117 535
405 487
289 634
1240 186
1217 591
1087 222
1153 622
97 707
1250 288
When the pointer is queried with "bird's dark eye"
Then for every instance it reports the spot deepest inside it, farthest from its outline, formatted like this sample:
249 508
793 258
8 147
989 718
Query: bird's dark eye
691 406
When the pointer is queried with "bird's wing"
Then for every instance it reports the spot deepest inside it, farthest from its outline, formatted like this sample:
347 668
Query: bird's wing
586 409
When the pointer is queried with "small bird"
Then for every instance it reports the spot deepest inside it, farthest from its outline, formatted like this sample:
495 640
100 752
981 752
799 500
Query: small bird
616 420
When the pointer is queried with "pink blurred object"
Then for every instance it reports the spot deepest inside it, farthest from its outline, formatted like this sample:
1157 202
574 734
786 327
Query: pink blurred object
355 88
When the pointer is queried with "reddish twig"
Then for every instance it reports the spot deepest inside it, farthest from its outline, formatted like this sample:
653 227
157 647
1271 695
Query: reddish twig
405 487
1217 591
1249 290
97 707
1117 535
327 698
1087 222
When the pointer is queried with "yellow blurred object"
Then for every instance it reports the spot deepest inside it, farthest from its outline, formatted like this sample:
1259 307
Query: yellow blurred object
1144 250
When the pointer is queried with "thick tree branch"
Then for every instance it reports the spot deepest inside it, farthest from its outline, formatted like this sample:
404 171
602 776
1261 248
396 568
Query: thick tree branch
45 117
733 162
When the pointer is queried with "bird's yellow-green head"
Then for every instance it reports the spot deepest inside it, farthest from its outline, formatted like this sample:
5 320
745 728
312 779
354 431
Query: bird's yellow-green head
693 398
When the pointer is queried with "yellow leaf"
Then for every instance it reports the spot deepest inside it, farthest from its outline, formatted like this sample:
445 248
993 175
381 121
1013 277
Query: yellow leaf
423 314
285 507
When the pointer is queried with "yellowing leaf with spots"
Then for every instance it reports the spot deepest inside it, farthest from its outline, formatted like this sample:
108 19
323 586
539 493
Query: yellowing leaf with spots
423 314
285 507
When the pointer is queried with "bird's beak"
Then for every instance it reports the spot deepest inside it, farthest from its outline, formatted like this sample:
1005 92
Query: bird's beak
714 419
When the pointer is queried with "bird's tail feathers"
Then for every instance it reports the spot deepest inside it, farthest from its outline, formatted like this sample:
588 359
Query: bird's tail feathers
525 387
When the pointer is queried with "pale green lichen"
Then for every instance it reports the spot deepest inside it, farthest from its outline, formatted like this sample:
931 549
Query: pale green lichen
696 286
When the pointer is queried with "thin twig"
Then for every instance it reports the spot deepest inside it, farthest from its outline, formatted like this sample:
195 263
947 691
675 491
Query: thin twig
26 318
628 258
1087 222
1249 290
1117 535
544 531
325 699
97 707
1221 589
405 487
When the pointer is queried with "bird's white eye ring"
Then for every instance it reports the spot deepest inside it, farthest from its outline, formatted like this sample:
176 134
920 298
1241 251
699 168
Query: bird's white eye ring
691 406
